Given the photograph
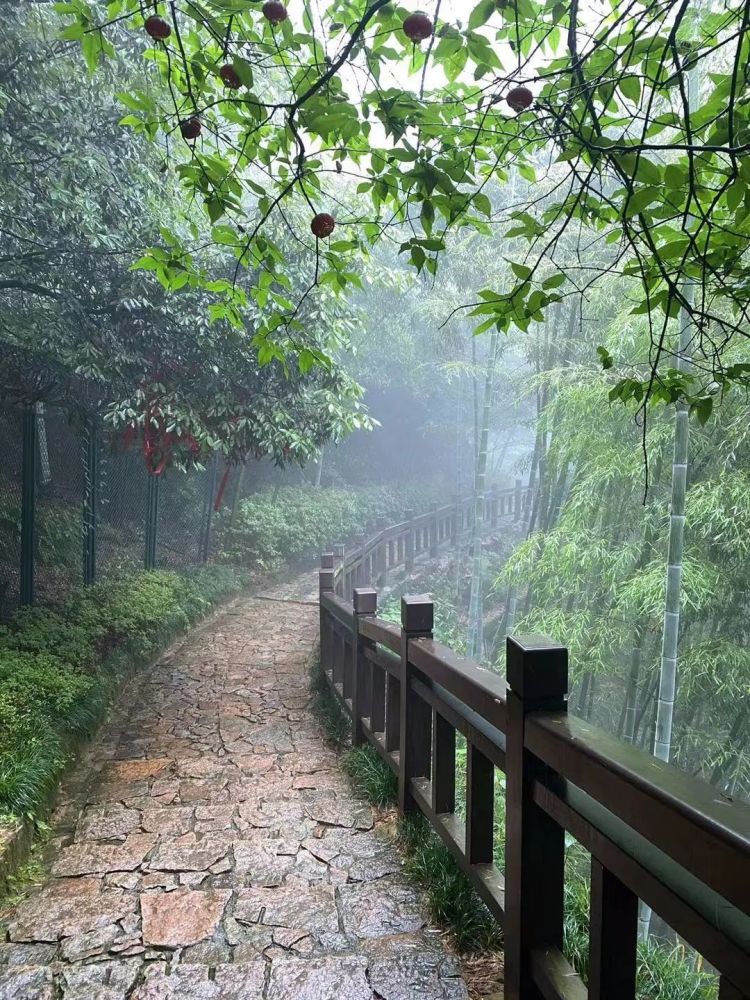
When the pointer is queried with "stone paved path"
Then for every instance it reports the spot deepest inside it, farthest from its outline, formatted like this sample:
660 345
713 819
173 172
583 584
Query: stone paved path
208 846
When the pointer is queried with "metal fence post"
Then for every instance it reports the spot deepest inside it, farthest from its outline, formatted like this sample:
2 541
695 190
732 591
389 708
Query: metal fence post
537 674
204 548
365 601
152 515
90 498
417 615
29 450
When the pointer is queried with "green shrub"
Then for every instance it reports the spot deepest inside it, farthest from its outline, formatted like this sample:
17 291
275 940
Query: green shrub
297 524
59 670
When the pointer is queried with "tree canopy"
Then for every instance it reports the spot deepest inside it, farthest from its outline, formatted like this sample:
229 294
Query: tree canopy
394 124
81 198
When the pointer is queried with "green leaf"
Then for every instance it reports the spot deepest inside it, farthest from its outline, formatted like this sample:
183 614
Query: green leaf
481 14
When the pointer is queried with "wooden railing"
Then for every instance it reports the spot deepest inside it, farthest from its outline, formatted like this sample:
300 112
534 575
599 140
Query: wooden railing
653 832
397 546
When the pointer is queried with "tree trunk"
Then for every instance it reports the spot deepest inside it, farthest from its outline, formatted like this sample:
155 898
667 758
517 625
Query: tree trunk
475 637
237 493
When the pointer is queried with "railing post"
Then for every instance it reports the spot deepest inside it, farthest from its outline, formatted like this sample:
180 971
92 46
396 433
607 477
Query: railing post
29 456
365 603
417 615
409 546
493 507
537 675
325 586
517 502
433 531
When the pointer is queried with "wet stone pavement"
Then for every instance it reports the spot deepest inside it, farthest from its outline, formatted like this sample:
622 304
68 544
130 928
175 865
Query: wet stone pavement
209 846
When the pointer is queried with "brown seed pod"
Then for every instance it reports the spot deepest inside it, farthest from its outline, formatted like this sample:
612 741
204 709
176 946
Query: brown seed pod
323 225
274 11
191 128
157 28
230 77
520 98
417 27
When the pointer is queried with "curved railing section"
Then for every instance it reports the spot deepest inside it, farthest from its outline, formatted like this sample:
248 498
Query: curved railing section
399 546
653 832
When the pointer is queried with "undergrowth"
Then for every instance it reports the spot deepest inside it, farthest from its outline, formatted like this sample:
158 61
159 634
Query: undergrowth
60 669
275 526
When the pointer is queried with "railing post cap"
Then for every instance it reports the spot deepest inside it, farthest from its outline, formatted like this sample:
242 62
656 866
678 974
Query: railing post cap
326 560
417 613
365 600
536 667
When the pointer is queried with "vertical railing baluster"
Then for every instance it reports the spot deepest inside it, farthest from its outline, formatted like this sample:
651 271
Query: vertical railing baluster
728 991
393 714
381 559
365 603
517 504
433 531
537 674
480 795
378 678
613 937
325 586
338 654
417 615
339 576
443 765
410 542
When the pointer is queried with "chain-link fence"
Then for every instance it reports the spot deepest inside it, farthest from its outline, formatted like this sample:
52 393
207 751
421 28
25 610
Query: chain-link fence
75 506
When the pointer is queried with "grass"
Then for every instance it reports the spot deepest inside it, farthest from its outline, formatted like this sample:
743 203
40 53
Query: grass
452 900
371 776
326 708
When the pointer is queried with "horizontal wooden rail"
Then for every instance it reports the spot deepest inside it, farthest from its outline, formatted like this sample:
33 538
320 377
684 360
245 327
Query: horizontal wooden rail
653 832
397 546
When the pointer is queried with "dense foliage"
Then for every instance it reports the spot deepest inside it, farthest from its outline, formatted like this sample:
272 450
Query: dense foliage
175 375
58 670
293 524
629 119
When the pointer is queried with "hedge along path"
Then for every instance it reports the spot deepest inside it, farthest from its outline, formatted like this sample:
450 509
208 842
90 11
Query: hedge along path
208 846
